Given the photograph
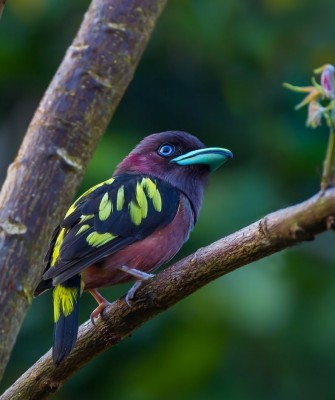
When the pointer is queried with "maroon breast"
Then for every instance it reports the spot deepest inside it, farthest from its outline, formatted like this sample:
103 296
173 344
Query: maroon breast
145 255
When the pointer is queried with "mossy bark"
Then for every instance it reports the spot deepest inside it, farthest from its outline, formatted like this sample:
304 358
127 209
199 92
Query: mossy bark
60 140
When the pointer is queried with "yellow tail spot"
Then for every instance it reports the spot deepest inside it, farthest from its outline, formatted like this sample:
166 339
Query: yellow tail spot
64 301
57 246
142 200
82 229
96 239
120 198
105 208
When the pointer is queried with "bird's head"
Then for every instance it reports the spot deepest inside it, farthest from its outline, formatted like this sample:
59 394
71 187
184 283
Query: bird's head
173 152
178 158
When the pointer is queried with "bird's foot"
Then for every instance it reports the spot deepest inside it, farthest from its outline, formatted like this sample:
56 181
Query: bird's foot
130 296
140 276
103 303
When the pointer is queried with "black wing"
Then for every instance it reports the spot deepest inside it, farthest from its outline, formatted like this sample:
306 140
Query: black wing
107 218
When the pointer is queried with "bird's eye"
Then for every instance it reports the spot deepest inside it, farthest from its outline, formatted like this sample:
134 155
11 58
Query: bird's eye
166 150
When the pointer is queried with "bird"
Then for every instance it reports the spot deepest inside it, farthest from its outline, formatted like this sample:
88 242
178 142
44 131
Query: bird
125 227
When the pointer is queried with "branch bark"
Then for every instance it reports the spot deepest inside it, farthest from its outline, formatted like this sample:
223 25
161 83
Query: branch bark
271 234
60 140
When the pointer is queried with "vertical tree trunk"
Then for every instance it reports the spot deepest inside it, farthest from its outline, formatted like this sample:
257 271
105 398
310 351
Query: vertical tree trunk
61 138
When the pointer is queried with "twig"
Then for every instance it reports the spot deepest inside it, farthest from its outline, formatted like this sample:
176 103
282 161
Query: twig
328 173
271 234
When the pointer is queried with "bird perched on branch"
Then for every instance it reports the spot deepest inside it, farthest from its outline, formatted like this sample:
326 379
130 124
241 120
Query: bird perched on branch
127 226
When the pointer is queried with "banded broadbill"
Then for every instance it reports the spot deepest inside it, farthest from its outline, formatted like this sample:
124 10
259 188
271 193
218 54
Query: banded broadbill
125 227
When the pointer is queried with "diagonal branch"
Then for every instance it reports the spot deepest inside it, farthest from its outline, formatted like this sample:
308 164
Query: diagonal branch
271 234
61 138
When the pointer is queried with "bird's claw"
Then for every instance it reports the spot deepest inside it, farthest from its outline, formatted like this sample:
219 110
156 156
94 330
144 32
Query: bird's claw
130 296
99 311
140 276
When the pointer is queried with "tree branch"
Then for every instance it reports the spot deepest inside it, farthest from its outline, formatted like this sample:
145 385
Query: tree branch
271 234
61 138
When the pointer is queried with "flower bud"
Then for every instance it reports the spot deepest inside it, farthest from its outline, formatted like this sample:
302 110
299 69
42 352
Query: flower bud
328 81
315 112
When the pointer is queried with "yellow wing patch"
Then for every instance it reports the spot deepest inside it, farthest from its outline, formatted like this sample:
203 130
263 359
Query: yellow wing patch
82 229
139 211
157 201
146 190
142 200
74 205
71 209
105 207
153 193
85 218
120 198
64 300
57 246
96 239
135 213
149 186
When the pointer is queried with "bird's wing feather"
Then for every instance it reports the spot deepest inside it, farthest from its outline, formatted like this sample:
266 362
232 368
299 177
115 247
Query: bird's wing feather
107 218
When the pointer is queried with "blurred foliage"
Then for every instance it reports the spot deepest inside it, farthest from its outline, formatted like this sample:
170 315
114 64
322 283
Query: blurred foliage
215 69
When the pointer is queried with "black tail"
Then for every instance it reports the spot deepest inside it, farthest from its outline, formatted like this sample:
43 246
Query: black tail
66 298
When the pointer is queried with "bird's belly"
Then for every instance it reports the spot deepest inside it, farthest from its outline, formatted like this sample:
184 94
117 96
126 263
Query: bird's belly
144 255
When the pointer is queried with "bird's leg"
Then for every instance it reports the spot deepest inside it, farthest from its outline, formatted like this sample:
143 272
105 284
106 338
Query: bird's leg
103 303
140 276
136 273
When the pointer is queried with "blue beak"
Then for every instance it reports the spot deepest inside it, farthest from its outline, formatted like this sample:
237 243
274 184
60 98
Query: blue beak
214 157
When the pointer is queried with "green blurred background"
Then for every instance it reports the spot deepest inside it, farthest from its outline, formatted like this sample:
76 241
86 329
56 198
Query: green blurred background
215 69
